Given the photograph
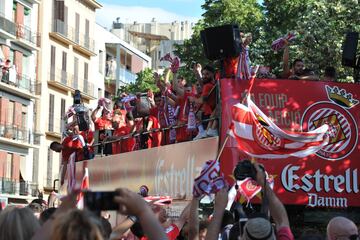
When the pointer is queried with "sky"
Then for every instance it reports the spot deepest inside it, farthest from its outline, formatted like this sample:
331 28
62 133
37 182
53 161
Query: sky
144 10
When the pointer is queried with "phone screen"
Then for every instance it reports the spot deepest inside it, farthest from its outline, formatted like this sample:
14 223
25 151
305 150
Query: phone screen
98 201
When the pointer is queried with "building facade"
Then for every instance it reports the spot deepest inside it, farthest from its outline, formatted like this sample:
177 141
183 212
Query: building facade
152 38
68 61
123 61
19 137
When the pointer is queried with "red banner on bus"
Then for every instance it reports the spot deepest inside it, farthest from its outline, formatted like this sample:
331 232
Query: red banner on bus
328 178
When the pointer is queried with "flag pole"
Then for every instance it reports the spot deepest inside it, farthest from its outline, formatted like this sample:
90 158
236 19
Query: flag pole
222 148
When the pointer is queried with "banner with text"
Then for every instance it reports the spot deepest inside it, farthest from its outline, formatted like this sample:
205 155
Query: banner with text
328 178
167 171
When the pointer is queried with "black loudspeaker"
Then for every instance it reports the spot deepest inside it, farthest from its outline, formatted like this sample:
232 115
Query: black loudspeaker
350 49
221 42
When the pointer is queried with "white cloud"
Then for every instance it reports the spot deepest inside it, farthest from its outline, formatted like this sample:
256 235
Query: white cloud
109 12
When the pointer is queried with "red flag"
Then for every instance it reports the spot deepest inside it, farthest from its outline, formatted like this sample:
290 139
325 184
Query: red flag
259 137
84 186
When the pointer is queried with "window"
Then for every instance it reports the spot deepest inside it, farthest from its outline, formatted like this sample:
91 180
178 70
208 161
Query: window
11 113
35 169
77 27
62 114
51 113
101 60
86 76
9 164
52 63
63 68
24 117
87 34
49 168
76 73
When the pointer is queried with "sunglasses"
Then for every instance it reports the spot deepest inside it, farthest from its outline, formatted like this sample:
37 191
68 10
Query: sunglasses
354 237
351 237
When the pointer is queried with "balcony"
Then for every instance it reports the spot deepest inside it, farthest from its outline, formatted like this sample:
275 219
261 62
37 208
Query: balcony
68 82
84 44
18 83
7 27
62 32
18 136
55 128
126 77
68 35
27 37
61 79
23 188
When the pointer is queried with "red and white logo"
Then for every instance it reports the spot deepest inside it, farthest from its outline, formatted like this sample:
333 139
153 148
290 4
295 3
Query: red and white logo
343 131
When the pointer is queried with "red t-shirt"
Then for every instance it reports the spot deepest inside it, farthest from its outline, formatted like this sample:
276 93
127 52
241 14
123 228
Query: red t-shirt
70 146
172 232
126 145
67 149
156 136
102 123
210 102
284 233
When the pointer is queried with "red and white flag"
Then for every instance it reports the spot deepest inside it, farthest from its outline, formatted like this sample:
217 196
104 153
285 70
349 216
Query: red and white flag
210 179
84 186
259 137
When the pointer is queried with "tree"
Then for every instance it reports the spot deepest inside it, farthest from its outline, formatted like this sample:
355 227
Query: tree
323 27
246 13
280 18
144 82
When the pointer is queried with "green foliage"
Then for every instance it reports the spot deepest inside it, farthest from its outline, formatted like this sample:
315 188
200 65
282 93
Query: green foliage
320 24
144 82
323 28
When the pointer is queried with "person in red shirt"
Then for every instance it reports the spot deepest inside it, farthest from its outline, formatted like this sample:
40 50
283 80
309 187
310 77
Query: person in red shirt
103 122
208 102
125 145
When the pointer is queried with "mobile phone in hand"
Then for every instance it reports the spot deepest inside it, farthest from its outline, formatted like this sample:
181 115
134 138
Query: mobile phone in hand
100 201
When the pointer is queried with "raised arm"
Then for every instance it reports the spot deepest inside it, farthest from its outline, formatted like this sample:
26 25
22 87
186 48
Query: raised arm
197 72
184 216
277 209
93 114
219 209
286 67
194 220
131 203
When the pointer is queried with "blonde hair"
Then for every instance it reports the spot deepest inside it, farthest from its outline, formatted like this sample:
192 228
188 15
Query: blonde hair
74 225
18 223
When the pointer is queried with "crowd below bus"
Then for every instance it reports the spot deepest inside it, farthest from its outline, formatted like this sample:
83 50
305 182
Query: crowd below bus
143 220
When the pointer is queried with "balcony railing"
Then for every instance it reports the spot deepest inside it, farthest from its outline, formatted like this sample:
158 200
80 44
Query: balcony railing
85 41
71 81
64 29
19 134
7 25
28 188
27 34
74 36
125 76
10 186
20 81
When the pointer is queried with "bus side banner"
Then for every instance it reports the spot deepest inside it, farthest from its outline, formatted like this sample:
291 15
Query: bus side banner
329 178
167 170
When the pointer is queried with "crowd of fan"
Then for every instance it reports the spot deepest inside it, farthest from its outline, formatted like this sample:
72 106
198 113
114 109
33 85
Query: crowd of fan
177 112
143 220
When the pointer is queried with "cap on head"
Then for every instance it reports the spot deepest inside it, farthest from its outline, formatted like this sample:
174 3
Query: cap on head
258 228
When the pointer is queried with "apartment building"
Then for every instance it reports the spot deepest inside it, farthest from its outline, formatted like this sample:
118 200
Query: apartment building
123 61
69 61
19 139
153 38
